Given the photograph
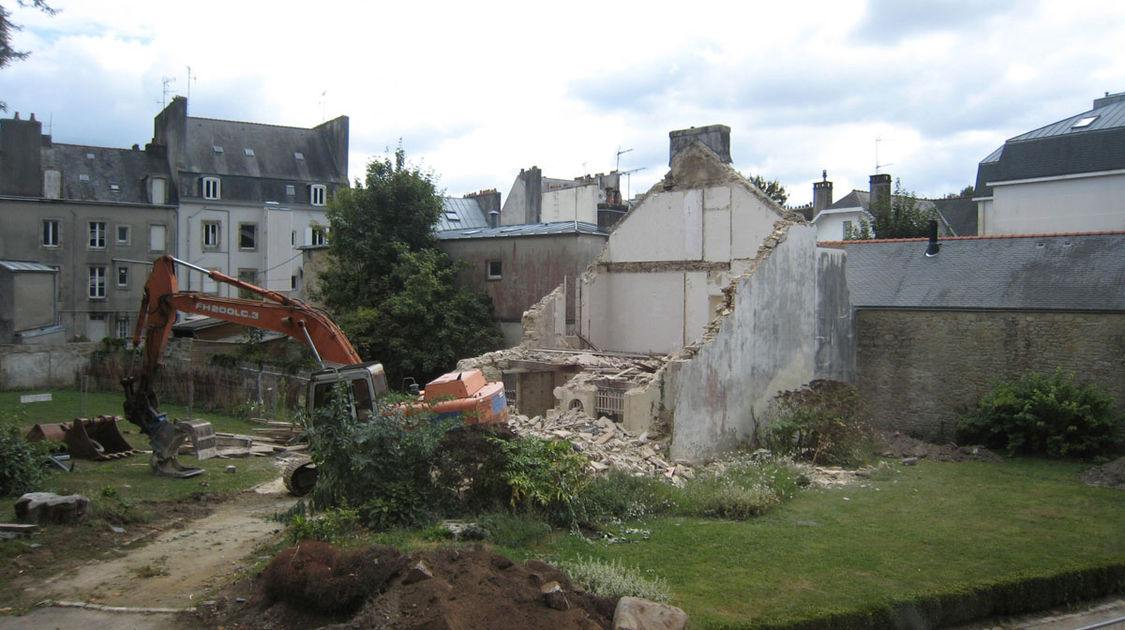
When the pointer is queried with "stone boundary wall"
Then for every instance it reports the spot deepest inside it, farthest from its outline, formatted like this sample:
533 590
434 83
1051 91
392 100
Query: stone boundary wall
918 369
42 366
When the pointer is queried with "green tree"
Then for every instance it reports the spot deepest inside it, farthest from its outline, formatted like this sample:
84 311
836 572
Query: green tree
392 290
7 29
901 216
773 188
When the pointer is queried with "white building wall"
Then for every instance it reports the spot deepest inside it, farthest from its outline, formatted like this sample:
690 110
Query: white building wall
831 225
1067 204
571 204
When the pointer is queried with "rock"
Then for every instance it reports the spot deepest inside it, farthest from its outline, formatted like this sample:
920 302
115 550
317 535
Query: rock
554 596
230 470
417 573
634 613
909 461
48 507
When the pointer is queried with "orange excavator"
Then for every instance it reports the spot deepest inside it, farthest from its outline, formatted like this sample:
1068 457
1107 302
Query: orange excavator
458 393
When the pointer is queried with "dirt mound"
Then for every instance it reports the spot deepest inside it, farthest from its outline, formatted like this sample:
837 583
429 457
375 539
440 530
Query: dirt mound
900 445
1111 475
444 588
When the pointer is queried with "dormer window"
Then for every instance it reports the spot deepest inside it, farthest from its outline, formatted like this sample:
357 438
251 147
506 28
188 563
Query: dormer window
317 194
211 188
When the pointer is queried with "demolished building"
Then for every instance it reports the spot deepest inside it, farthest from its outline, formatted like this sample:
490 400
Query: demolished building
707 300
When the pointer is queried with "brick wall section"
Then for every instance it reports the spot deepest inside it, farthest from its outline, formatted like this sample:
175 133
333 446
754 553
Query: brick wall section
916 369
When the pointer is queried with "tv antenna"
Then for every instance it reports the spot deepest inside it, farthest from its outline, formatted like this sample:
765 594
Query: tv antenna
620 151
190 78
165 81
629 181
877 164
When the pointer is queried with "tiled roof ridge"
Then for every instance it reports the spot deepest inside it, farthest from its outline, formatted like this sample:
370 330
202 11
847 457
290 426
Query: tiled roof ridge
971 238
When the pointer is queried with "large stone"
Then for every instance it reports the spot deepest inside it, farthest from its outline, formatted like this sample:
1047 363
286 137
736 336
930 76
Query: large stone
554 596
634 613
48 507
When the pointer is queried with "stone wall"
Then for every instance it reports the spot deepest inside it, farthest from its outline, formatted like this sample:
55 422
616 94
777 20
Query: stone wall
917 369
42 366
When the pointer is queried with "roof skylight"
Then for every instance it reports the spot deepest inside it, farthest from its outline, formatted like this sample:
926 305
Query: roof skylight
1085 122
217 149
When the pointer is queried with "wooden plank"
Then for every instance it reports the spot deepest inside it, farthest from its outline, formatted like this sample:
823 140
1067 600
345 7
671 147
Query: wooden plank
30 398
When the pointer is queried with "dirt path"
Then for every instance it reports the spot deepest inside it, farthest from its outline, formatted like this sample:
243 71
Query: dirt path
173 571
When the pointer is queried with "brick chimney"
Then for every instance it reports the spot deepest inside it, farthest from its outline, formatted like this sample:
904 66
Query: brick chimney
714 137
21 162
821 194
880 190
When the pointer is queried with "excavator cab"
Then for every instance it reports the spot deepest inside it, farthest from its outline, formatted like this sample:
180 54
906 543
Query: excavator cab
365 383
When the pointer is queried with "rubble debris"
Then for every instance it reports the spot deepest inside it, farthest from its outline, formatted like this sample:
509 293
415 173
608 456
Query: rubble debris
48 507
634 613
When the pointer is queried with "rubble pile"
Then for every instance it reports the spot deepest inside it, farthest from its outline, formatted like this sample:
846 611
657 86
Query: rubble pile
606 443
635 367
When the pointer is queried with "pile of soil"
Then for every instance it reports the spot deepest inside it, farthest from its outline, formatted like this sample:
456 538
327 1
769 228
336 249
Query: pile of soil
315 586
900 445
1111 475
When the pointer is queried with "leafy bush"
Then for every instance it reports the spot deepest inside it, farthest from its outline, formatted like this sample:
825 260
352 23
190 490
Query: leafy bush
1037 415
21 465
546 474
384 468
619 496
612 579
512 530
821 423
333 526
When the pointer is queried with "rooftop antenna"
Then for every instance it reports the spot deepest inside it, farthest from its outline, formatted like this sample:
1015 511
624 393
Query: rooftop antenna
190 78
629 181
877 164
166 81
619 152
324 106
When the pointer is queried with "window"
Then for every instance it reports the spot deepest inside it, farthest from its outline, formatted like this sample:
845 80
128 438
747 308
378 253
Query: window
492 269
290 190
293 283
123 276
318 235
847 228
212 188
158 192
249 276
156 241
123 328
211 234
1085 122
247 235
217 149
95 289
123 234
317 194
297 155
248 152
50 232
97 234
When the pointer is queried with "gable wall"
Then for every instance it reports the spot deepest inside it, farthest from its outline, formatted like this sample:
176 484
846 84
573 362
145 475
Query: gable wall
1082 204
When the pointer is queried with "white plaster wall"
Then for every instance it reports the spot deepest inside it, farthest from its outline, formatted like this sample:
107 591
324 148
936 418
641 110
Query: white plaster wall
1086 204
666 226
42 366
637 312
751 222
830 227
717 230
571 204
766 345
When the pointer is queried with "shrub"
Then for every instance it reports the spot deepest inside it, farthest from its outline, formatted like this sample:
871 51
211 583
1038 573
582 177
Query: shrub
21 465
620 496
613 580
385 468
546 474
821 423
1036 415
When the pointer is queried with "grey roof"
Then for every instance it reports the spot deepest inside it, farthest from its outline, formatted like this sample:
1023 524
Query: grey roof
1076 272
960 214
527 229
20 265
1061 148
274 149
854 199
460 213
104 174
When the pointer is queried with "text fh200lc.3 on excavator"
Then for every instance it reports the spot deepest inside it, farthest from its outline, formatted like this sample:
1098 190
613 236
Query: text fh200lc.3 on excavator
464 394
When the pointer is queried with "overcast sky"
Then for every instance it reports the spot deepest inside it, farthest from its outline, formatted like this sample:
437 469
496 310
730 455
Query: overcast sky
478 90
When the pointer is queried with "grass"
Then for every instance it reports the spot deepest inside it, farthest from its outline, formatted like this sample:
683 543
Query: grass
906 533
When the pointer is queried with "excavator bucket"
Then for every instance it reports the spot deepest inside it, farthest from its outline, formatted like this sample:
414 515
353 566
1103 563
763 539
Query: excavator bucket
98 439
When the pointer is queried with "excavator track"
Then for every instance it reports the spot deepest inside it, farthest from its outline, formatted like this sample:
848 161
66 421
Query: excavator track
299 475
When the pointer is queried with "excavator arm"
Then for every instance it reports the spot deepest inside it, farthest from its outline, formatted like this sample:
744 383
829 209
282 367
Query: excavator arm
161 302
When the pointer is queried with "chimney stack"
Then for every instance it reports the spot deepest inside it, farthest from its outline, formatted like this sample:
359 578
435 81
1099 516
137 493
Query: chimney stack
880 191
714 137
821 194
21 162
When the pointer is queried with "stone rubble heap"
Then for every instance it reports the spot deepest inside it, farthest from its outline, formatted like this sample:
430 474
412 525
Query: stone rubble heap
606 443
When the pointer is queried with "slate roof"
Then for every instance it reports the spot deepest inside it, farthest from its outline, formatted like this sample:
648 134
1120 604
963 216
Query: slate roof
1061 148
103 174
1068 272
459 214
274 151
960 214
527 229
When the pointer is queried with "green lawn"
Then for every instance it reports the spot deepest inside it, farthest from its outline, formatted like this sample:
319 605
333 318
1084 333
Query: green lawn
130 477
909 532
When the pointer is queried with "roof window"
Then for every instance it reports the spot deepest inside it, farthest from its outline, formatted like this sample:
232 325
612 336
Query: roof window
452 216
115 188
82 177
89 156
217 149
1084 122
248 152
297 155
